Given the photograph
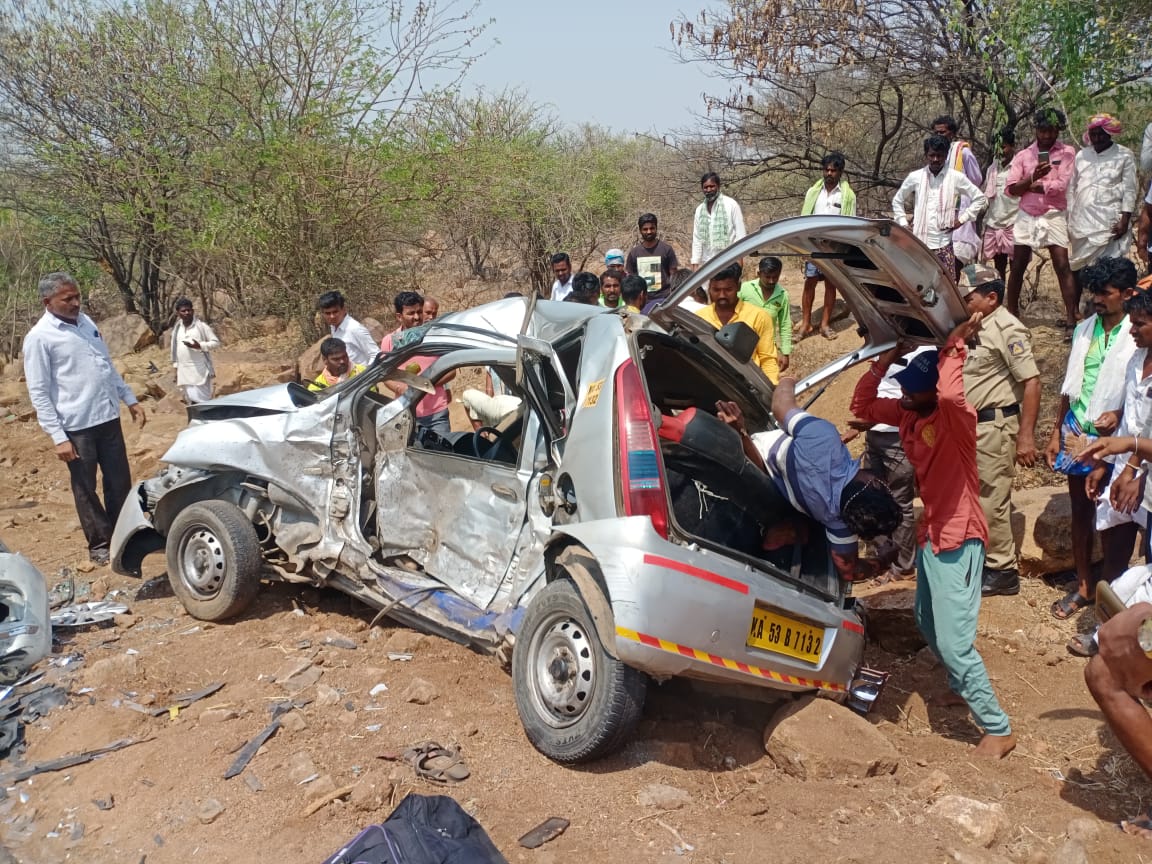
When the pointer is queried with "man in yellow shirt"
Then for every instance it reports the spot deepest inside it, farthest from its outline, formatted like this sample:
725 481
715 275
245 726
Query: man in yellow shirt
337 366
726 307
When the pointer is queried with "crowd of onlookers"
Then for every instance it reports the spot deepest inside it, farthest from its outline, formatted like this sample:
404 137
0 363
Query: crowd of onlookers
948 424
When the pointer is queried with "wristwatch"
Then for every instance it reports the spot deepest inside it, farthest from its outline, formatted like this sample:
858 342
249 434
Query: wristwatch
1144 637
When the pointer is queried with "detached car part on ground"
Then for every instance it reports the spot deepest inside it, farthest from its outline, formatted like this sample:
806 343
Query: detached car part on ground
612 556
25 627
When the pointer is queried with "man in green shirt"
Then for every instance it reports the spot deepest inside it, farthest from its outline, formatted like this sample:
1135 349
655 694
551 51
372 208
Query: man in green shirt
767 293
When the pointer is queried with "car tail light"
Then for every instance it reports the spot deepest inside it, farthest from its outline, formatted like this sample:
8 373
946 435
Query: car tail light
641 471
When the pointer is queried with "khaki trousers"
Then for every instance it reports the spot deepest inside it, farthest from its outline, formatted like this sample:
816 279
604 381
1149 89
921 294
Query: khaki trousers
996 464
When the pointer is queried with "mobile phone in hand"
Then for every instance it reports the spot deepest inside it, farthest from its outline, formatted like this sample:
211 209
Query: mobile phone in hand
1043 156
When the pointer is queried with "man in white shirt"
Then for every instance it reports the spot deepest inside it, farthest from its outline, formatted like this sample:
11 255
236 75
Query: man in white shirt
77 392
562 270
1102 196
831 195
362 348
192 339
718 223
937 190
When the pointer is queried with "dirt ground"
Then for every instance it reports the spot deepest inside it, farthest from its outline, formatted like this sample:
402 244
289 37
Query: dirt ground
169 801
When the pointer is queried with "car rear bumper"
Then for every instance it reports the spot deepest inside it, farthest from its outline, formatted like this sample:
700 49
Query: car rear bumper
681 610
26 631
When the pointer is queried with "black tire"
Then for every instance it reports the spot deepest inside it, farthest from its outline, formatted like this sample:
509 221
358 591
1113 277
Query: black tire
214 560
576 702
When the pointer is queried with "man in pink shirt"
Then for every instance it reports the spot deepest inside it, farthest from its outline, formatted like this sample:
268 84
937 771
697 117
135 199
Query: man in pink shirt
1039 177
432 409
938 430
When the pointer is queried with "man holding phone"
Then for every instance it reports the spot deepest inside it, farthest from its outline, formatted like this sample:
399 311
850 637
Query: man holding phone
192 339
1039 178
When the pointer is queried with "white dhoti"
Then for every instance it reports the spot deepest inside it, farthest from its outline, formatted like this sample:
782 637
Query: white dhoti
194 393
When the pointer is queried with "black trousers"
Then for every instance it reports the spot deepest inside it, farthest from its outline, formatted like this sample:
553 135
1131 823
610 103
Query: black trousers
102 446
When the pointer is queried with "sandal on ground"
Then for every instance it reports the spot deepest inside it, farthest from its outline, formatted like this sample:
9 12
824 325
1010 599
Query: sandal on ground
828 333
1082 645
1069 605
437 764
1141 826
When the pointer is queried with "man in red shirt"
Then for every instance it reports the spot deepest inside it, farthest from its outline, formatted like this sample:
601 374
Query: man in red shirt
938 431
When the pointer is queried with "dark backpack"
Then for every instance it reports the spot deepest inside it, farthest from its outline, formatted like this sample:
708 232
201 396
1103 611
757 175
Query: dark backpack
423 829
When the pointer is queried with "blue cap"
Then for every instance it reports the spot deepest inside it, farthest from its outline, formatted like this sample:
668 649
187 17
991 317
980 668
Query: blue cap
614 256
921 374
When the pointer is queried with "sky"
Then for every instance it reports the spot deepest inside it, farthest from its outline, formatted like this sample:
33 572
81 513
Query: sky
605 62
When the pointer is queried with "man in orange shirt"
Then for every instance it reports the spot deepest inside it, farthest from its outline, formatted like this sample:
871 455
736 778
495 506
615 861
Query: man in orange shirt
938 431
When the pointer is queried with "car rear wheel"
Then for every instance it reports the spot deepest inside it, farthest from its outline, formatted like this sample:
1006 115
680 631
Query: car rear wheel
214 560
575 701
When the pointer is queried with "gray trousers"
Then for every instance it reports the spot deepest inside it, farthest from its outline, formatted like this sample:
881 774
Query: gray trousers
885 458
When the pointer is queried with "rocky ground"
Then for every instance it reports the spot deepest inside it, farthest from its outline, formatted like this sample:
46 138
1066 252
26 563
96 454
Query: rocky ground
696 782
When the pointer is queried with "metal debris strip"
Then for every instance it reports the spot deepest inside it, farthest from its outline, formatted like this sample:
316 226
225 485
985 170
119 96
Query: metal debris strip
65 762
177 704
83 614
249 750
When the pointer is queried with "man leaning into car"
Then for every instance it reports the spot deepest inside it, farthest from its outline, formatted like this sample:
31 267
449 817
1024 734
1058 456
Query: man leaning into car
809 465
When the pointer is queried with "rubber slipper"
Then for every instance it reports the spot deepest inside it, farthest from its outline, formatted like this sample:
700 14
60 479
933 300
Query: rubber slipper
1069 605
437 764
1082 645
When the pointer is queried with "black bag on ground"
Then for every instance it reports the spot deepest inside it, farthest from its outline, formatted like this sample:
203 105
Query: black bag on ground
423 829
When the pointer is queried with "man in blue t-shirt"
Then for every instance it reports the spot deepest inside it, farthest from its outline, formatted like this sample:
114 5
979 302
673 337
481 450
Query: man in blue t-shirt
810 465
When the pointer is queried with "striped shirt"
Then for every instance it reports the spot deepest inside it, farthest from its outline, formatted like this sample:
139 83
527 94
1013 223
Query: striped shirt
811 466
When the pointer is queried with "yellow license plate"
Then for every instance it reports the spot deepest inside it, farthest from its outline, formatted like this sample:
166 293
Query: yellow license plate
782 635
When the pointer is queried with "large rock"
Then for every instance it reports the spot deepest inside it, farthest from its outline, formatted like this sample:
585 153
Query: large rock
126 334
377 329
1040 525
309 364
238 371
891 621
819 739
978 822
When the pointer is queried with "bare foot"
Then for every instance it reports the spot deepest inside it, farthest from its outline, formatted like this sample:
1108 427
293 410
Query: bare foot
1141 826
948 699
996 746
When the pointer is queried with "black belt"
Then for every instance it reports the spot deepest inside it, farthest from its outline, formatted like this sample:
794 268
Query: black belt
985 415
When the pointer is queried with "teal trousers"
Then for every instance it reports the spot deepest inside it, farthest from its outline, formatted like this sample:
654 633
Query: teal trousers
947 606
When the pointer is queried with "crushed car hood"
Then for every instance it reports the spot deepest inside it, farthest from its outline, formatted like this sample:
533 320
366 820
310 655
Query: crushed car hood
275 399
892 282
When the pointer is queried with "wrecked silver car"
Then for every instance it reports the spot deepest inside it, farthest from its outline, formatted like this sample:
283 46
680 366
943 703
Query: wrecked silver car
571 525
25 628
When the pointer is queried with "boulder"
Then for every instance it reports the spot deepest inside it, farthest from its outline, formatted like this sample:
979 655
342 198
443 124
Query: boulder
891 621
980 823
1040 523
126 334
375 328
819 739
236 372
309 364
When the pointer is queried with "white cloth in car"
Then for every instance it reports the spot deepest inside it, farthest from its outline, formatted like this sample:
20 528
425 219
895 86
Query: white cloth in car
489 410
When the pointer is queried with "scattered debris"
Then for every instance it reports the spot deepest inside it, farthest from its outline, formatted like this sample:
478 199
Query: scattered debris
105 803
176 705
298 674
249 750
378 689
547 830
84 614
67 761
398 656
338 640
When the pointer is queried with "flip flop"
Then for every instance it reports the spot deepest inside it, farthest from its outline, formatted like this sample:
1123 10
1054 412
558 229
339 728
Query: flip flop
1082 645
437 764
1069 605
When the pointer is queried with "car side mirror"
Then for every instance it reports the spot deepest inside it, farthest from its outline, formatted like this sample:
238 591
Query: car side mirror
739 340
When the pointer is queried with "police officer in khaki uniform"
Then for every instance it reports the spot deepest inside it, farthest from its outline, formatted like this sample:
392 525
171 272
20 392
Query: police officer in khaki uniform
1003 384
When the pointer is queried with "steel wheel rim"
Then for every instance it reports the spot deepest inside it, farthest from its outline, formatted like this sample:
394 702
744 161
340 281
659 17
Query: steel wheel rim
202 562
563 670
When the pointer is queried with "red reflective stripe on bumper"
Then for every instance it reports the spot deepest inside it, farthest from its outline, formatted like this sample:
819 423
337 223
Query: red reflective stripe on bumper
707 576
853 626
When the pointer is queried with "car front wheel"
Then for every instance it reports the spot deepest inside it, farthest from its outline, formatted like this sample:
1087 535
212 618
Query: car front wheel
575 701
214 560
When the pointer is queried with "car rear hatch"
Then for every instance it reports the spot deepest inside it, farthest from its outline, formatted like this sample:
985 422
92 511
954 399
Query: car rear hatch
893 284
